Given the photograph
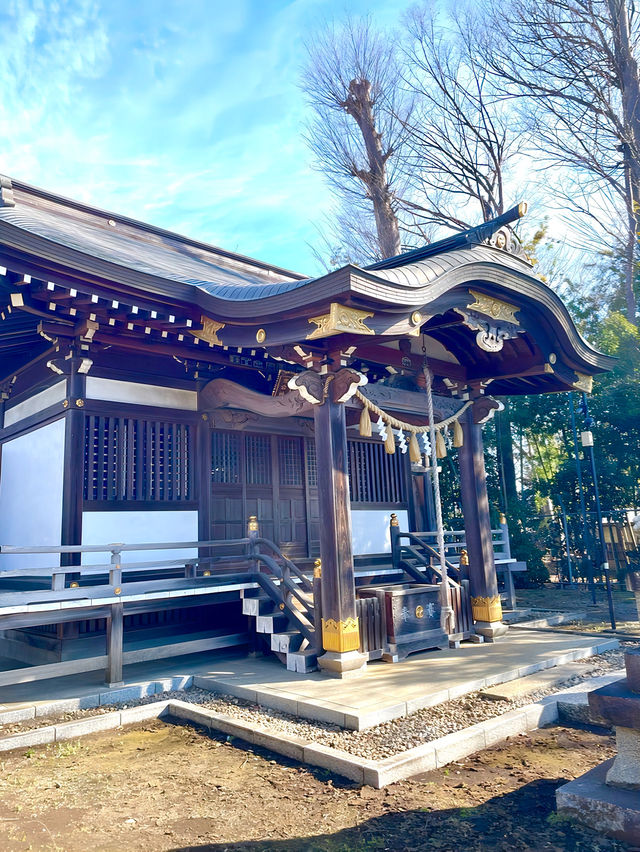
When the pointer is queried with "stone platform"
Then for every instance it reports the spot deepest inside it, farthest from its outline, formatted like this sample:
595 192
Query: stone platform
386 691
607 809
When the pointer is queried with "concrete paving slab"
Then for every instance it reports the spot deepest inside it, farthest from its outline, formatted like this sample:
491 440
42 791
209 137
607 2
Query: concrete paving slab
542 680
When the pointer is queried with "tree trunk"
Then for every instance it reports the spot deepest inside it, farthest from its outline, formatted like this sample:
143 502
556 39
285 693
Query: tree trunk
359 105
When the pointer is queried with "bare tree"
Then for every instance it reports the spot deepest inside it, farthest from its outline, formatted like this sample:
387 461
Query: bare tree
574 66
352 82
460 140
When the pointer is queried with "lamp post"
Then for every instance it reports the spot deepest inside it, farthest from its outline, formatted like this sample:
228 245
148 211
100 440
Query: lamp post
586 561
586 438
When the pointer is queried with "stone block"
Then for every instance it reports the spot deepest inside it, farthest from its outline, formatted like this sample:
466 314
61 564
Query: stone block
288 745
320 711
173 684
606 809
142 712
232 727
90 725
209 683
541 713
412 762
625 772
370 718
465 688
508 725
39 736
335 760
459 745
128 693
283 703
502 677
51 708
429 700
190 712
19 714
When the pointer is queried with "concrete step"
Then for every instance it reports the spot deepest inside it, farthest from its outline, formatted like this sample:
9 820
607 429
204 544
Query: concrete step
531 683
573 705
276 623
287 642
258 606
302 661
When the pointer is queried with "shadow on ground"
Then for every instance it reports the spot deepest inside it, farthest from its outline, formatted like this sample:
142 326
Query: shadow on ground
524 820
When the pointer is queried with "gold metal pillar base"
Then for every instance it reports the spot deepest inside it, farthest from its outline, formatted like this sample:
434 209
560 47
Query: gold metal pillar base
340 636
486 609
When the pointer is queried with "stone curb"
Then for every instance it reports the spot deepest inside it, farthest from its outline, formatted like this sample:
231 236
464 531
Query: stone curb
376 773
335 714
98 699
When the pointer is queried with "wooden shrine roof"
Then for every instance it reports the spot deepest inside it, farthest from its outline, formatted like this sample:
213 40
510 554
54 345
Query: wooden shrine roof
95 260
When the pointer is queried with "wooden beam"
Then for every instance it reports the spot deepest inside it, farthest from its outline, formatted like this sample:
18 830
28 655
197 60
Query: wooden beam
377 354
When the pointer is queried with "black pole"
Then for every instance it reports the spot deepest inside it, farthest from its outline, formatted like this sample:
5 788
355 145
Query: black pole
586 559
589 422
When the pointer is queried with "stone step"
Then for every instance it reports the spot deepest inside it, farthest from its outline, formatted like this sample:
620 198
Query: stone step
531 683
574 707
258 606
287 642
276 623
302 661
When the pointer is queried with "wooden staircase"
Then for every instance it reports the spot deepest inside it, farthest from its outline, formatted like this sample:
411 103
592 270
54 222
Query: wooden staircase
286 638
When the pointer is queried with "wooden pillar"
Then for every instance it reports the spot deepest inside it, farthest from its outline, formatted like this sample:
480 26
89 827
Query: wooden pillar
340 633
485 600
73 474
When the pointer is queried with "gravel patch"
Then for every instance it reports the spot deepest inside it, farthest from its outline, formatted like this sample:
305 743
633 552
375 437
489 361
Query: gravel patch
376 743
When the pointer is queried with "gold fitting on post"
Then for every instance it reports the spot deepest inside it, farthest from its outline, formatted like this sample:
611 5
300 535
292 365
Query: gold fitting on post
503 518
340 636
117 590
74 585
206 573
281 606
317 568
394 522
253 523
464 558
80 403
486 609
416 318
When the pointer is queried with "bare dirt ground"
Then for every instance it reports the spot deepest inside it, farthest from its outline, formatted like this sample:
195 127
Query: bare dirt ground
159 787
553 597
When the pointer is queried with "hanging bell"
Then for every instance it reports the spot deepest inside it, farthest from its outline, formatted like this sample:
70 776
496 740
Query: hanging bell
414 449
458 435
365 423
390 441
441 447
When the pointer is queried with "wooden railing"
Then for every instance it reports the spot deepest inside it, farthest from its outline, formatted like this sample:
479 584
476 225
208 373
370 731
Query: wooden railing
87 591
415 553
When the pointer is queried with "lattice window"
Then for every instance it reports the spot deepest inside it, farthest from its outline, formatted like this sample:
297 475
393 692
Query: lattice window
311 463
290 461
258 449
374 475
131 459
225 457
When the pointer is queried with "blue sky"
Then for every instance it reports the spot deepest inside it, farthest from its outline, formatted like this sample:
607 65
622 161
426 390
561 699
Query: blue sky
183 113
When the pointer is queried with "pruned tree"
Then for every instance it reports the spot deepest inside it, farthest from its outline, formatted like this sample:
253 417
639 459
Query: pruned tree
460 140
573 65
352 81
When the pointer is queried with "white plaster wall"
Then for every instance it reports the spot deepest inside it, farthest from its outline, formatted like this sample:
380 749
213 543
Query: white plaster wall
31 494
137 393
139 528
38 402
370 529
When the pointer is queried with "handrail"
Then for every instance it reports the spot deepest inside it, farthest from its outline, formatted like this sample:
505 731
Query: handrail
306 582
421 543
120 547
285 581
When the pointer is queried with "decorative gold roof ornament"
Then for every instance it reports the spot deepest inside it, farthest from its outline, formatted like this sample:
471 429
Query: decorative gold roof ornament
209 331
584 382
494 308
340 319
